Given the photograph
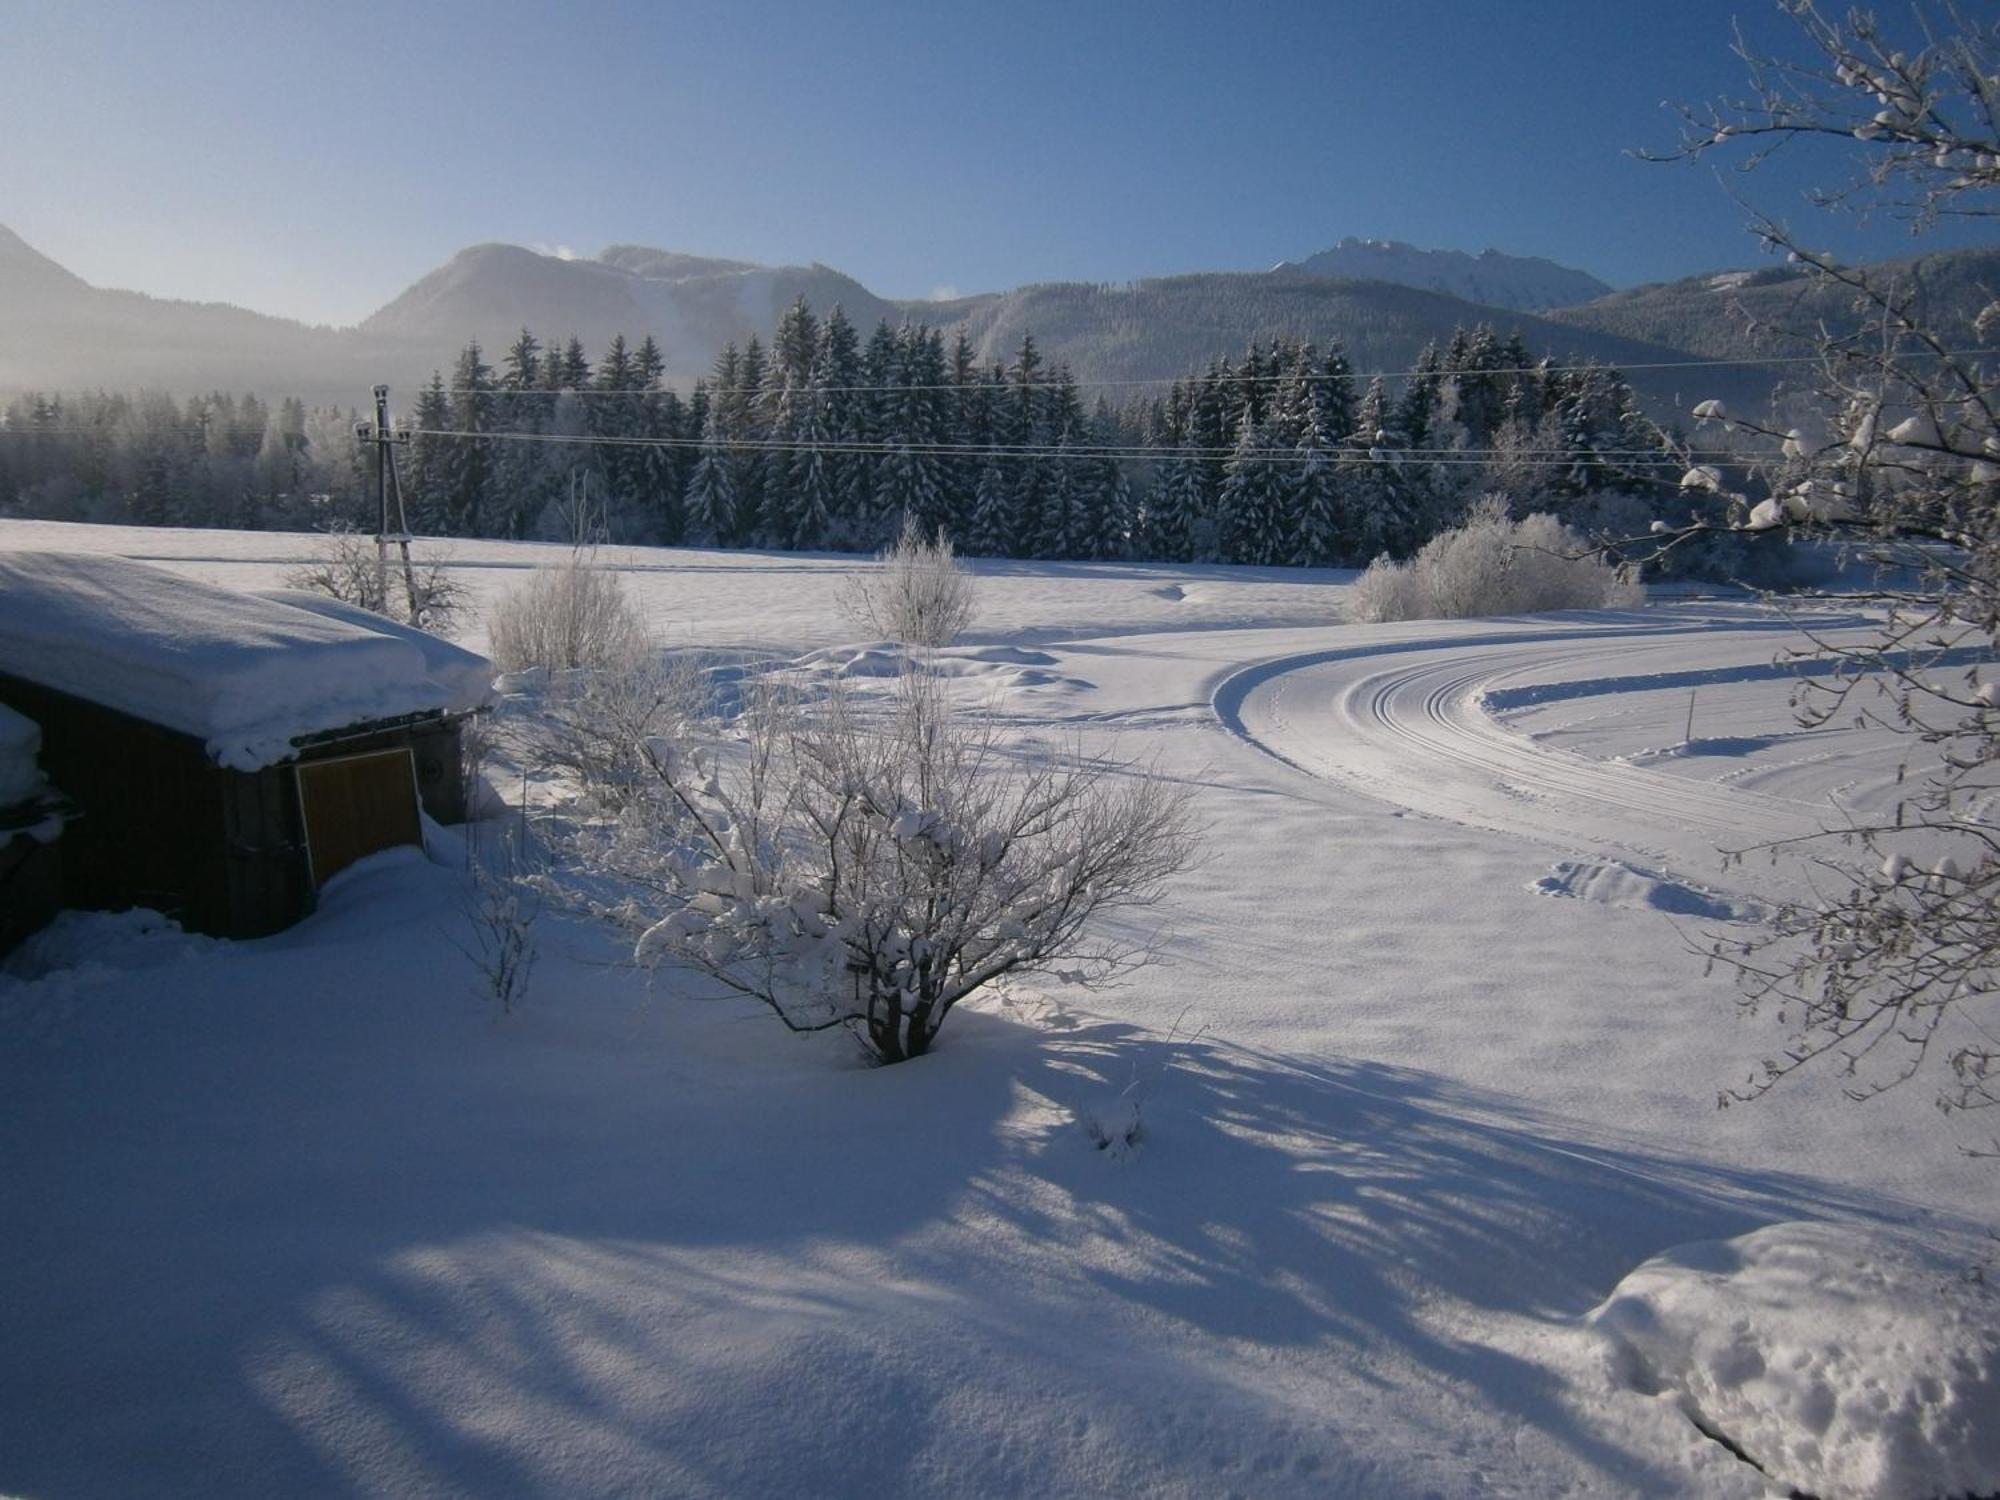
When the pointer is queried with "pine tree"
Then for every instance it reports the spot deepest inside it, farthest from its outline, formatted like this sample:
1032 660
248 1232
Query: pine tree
1213 413
469 462
1333 395
1109 519
1313 495
1373 516
1023 426
427 482
1062 504
813 475
837 373
713 502
1251 501
1174 507
520 468
989 532
658 468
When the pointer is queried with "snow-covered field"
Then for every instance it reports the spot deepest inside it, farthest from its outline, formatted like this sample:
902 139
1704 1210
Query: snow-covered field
1429 1071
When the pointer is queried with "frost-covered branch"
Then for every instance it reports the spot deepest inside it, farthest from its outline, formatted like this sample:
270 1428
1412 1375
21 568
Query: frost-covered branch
872 865
1892 970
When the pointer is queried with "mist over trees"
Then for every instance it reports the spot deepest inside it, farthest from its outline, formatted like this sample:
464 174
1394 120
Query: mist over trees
827 440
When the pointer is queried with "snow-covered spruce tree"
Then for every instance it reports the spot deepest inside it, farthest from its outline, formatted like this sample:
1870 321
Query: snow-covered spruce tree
1171 508
1894 970
1313 495
469 461
872 869
989 533
712 498
1249 507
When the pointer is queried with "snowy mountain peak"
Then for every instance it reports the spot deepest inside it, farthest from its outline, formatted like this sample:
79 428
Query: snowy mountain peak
1521 283
671 265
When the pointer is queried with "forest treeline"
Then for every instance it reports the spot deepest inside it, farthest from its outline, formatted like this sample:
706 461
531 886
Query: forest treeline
822 440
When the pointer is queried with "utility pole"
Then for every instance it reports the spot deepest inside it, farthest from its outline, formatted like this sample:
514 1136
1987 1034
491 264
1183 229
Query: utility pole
387 485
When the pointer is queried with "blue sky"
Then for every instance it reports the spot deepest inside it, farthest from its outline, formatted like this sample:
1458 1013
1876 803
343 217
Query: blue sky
313 160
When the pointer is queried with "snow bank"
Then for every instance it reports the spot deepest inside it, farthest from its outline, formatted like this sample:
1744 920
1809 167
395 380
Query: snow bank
1849 1362
93 946
246 675
20 778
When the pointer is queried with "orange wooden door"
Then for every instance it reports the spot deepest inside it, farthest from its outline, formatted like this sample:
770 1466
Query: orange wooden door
355 805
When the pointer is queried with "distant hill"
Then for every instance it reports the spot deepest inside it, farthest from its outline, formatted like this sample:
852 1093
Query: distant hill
1777 310
1522 283
1149 330
57 332
692 305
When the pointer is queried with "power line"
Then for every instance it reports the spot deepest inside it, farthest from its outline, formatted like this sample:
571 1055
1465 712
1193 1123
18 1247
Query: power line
1006 385
1380 453
1340 452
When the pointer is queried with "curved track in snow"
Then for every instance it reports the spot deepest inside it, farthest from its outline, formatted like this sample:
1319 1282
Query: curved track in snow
1403 721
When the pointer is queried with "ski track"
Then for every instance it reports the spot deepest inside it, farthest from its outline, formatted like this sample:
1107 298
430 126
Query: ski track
1404 722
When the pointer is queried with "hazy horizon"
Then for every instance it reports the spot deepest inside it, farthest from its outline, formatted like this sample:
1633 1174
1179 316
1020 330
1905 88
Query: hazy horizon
312 166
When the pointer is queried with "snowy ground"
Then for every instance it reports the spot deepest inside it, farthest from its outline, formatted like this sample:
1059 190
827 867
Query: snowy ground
305 1216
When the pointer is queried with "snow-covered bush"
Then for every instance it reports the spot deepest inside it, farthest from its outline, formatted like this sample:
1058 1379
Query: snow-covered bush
1388 590
574 615
591 726
349 568
918 594
1492 565
870 868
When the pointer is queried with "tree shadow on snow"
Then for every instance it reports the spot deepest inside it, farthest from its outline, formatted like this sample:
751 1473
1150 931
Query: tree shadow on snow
535 1268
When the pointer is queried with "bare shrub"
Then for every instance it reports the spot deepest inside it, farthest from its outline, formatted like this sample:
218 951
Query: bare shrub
918 594
592 726
501 914
575 615
871 869
1492 565
1891 969
349 568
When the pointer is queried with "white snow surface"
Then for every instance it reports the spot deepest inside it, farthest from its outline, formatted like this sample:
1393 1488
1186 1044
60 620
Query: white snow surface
465 676
20 740
245 675
1426 1075
1846 1361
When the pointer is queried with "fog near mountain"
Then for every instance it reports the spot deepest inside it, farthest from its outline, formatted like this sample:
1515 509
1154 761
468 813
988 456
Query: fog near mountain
59 333
1778 311
692 305
1522 283
1149 330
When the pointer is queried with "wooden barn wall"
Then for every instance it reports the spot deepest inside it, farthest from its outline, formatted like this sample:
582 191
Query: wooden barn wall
30 887
161 825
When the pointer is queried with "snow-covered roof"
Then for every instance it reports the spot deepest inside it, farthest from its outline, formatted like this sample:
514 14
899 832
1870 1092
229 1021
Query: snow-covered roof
20 738
246 675
466 675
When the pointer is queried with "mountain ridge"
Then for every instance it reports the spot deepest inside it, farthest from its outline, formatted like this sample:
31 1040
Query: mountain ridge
57 332
1519 283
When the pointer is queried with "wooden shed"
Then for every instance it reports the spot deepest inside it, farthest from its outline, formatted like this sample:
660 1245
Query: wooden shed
227 753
